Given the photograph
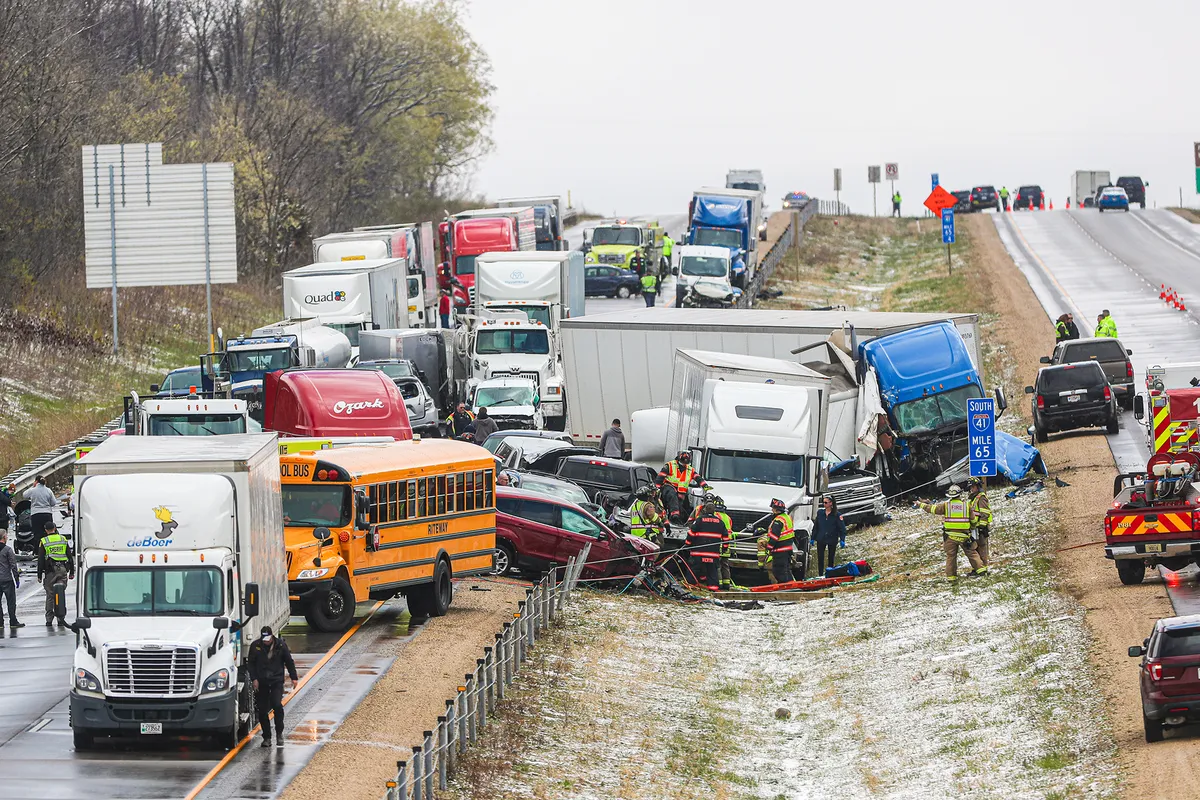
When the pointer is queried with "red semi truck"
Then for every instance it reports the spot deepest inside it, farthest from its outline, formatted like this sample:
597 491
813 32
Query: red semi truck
468 234
333 403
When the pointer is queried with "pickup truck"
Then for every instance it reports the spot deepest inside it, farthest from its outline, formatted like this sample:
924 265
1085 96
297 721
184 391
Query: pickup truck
1154 518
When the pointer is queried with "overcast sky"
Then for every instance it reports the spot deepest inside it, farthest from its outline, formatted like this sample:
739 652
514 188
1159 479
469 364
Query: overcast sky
631 104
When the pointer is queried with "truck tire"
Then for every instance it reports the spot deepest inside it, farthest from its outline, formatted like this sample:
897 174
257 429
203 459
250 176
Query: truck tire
1112 426
1131 571
228 738
1154 729
332 612
506 559
83 739
432 599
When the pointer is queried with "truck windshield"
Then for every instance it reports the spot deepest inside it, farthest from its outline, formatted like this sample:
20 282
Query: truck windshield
464 265
146 591
746 466
535 313
196 424
704 266
936 411
751 187
718 237
494 342
316 505
350 329
266 360
494 396
626 236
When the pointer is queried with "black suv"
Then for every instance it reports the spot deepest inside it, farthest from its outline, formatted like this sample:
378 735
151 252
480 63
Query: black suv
1135 188
1029 197
984 197
963 205
1071 396
599 476
1109 353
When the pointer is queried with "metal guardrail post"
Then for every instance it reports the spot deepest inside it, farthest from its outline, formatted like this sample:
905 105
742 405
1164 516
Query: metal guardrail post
545 591
489 675
428 750
418 772
552 588
481 691
498 666
521 632
534 614
401 780
472 718
443 751
451 735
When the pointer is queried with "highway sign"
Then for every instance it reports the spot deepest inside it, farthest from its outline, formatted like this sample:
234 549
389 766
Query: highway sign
981 428
837 179
892 171
947 226
938 199
872 174
933 181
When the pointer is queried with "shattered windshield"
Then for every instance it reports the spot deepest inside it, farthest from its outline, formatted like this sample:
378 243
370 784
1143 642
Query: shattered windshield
928 414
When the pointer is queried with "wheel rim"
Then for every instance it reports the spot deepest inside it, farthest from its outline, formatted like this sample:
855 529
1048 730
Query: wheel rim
623 292
336 604
502 561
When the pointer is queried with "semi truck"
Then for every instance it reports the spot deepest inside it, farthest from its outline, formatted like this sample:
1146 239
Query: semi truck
194 414
547 287
704 266
728 218
509 345
180 565
430 350
323 403
620 243
349 296
469 234
1086 183
547 218
412 242
747 179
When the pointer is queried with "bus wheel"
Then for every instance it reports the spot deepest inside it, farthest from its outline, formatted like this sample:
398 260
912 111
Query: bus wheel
334 611
432 599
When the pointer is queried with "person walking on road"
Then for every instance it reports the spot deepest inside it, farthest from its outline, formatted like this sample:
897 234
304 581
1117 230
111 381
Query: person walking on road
896 204
957 521
649 289
10 580
42 503
781 536
667 249
458 420
6 498
612 441
56 563
828 529
983 521
703 545
485 426
444 307
269 656
1004 196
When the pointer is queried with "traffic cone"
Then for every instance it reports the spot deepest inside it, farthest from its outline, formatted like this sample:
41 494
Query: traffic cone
1051 205
1042 206
1179 304
1162 291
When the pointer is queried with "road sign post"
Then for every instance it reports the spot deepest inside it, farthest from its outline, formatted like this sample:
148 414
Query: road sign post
948 235
1197 154
873 179
837 188
933 180
981 423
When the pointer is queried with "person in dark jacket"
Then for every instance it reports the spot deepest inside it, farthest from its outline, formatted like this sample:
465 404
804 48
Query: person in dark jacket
485 426
10 579
6 498
828 530
266 661
458 420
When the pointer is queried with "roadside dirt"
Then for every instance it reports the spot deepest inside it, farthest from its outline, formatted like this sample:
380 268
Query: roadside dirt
1187 213
1117 616
361 755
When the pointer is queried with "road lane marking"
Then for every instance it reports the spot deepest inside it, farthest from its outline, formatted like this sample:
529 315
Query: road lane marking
1165 238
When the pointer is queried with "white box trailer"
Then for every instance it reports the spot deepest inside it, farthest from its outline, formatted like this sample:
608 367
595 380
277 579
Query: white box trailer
180 541
414 241
547 286
1085 183
618 363
350 296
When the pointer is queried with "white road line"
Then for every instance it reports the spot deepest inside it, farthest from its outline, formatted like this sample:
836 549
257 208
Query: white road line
1165 238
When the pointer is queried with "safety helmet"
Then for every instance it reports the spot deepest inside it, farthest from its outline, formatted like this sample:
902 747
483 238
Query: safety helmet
975 483
954 491
718 502
709 496
645 493
684 457
778 506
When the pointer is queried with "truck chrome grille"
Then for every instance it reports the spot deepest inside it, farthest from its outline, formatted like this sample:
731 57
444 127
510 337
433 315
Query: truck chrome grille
169 672
741 519
612 258
533 376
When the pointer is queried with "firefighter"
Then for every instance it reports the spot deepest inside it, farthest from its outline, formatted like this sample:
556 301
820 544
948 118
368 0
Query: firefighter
781 536
958 519
1004 196
1061 332
705 540
680 475
983 520
644 518
726 582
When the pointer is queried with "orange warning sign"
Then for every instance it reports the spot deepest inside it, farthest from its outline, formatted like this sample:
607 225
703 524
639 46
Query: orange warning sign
938 199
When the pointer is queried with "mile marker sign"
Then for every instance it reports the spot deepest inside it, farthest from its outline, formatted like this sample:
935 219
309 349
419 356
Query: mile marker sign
981 430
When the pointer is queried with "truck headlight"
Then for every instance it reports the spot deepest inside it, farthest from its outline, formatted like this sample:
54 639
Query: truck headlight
86 681
217 682
311 574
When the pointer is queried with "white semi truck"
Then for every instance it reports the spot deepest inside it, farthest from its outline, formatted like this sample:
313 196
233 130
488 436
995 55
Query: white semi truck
506 344
1086 183
548 287
194 414
180 564
349 296
411 241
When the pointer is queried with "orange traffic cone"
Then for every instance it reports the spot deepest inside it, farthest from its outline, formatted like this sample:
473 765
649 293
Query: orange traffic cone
1068 202
1182 305
1051 205
1162 291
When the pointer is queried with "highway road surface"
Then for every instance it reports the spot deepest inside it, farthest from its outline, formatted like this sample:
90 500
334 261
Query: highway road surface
1082 261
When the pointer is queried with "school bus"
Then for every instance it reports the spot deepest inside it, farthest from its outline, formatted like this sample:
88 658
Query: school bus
370 521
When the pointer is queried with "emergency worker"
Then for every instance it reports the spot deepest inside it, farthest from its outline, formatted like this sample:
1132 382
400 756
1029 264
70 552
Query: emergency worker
56 563
726 582
957 521
781 537
983 521
458 421
1004 196
649 288
1110 325
644 518
679 475
668 247
706 536
896 204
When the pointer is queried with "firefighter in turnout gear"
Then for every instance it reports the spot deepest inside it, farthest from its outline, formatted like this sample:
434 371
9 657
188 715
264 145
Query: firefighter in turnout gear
726 582
644 518
781 536
706 538
958 519
983 521
680 475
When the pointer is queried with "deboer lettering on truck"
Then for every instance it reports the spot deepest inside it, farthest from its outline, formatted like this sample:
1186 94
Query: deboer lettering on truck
366 522
180 547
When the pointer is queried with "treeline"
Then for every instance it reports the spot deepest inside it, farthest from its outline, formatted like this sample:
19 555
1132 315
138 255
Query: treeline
334 112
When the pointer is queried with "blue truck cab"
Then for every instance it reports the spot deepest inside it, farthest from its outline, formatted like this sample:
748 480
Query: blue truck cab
724 222
925 378
244 363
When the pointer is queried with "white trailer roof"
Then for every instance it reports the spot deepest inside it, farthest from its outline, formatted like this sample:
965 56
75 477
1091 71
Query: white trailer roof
777 366
181 449
343 267
526 256
759 320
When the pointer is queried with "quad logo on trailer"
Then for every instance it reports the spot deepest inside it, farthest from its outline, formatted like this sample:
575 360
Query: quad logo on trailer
331 297
162 536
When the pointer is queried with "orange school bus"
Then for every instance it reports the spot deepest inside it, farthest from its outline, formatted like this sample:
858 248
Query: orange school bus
371 521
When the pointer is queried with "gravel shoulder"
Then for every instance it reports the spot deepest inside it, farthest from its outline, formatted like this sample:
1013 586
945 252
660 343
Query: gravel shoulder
361 755
1117 616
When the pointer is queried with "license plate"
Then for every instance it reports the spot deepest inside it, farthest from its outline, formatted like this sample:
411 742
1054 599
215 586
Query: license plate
1073 398
151 727
1154 548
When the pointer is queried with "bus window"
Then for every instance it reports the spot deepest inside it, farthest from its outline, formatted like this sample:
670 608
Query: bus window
441 494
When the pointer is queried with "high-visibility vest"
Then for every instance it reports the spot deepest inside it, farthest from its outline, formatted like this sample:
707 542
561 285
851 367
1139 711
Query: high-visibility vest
641 517
983 511
1060 330
680 479
957 522
1110 327
782 542
668 246
706 537
55 546
727 547
649 283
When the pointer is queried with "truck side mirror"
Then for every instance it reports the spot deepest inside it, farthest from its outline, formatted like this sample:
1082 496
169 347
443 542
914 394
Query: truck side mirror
154 387
1128 352
1001 400
1139 407
81 624
220 623
250 603
1044 360
1137 651
1028 390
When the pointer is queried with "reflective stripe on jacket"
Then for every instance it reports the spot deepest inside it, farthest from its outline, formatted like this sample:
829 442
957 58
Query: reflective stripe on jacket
681 480
781 541
982 511
706 536
958 515
55 546
642 517
727 547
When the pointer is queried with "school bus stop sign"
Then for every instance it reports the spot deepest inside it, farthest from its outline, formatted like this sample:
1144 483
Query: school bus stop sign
938 199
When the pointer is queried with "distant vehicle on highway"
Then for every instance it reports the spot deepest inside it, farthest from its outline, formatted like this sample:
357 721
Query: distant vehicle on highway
1072 396
610 281
1135 189
1109 353
796 200
984 197
493 442
1169 678
1029 197
178 382
963 206
1114 198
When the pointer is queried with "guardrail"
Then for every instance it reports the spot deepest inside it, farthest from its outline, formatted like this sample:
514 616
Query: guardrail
436 759
58 459
832 208
766 267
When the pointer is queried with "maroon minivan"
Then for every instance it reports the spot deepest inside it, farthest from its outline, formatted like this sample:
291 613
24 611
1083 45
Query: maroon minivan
535 532
1170 675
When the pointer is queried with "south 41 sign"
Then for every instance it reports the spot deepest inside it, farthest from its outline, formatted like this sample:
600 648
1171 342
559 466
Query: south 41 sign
981 427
